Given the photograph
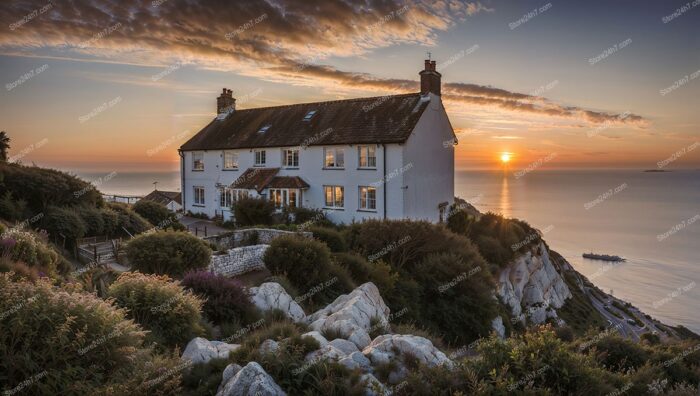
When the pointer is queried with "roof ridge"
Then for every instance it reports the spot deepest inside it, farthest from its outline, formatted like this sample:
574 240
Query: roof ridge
329 101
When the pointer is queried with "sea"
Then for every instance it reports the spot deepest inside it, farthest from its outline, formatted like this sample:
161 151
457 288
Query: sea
650 218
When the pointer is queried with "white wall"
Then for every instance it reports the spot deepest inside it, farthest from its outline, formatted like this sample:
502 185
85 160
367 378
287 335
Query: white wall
430 179
311 161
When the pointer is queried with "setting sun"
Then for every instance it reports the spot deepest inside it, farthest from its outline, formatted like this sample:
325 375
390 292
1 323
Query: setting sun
505 157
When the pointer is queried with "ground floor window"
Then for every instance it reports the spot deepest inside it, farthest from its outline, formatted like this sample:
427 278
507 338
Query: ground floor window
198 195
284 197
368 198
335 196
229 196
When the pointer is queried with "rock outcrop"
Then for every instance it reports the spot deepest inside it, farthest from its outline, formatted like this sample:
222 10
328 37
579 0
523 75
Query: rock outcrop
532 287
201 350
251 380
498 327
391 347
271 295
351 315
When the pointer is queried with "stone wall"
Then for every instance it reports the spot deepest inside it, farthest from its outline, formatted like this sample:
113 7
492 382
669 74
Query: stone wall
243 237
238 261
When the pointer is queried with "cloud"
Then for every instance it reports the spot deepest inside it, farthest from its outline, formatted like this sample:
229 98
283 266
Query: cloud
272 40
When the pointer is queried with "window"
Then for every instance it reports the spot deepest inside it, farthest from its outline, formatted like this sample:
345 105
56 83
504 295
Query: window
290 158
368 198
309 115
198 195
230 160
368 156
264 128
198 161
283 197
239 194
259 157
334 158
226 198
335 196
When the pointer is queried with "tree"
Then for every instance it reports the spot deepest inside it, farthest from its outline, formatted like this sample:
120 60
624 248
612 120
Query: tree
4 146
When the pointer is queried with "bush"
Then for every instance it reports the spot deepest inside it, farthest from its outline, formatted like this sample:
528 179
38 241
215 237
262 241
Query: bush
307 216
226 299
158 215
63 223
362 271
333 238
110 222
619 354
28 248
76 343
93 220
253 211
98 279
12 209
307 264
172 314
168 252
128 220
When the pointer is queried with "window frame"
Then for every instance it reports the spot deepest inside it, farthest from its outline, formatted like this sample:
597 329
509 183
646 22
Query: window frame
285 157
263 156
195 154
195 201
283 194
366 149
366 197
335 151
334 197
235 160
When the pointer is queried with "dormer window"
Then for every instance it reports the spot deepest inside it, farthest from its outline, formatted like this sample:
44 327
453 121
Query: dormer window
264 129
309 115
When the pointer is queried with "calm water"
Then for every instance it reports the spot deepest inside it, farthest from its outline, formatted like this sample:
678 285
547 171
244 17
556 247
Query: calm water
612 212
628 212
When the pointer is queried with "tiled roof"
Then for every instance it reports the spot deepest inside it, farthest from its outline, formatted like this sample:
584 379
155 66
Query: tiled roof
382 119
255 178
164 197
287 182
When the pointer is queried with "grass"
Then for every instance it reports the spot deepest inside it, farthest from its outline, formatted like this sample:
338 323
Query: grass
578 312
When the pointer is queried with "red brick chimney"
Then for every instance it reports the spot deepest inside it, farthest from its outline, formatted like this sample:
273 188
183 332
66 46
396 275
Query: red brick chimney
225 102
430 79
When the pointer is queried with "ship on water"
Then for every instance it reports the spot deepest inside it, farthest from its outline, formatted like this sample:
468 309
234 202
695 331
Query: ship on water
604 257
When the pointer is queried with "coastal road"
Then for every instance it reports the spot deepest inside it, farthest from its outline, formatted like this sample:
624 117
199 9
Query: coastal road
626 330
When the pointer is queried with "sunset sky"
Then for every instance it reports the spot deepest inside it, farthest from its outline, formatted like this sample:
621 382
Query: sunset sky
119 85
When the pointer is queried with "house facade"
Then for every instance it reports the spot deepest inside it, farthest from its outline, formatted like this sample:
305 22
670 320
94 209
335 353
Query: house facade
389 157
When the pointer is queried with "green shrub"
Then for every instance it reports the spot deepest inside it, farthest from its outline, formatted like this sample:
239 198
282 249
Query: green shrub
128 220
331 237
362 271
74 343
651 338
158 215
253 211
93 220
168 252
172 314
40 188
203 378
110 222
63 223
307 264
617 353
12 209
97 279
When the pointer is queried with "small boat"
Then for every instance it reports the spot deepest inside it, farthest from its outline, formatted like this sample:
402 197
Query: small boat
604 257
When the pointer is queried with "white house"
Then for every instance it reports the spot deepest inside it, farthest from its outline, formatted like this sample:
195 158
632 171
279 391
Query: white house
388 157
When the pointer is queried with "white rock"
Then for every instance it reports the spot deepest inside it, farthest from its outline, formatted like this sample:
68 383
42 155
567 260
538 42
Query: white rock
251 380
498 327
351 314
356 360
373 387
317 336
201 350
388 346
268 346
229 372
271 295
346 346
532 287
327 352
